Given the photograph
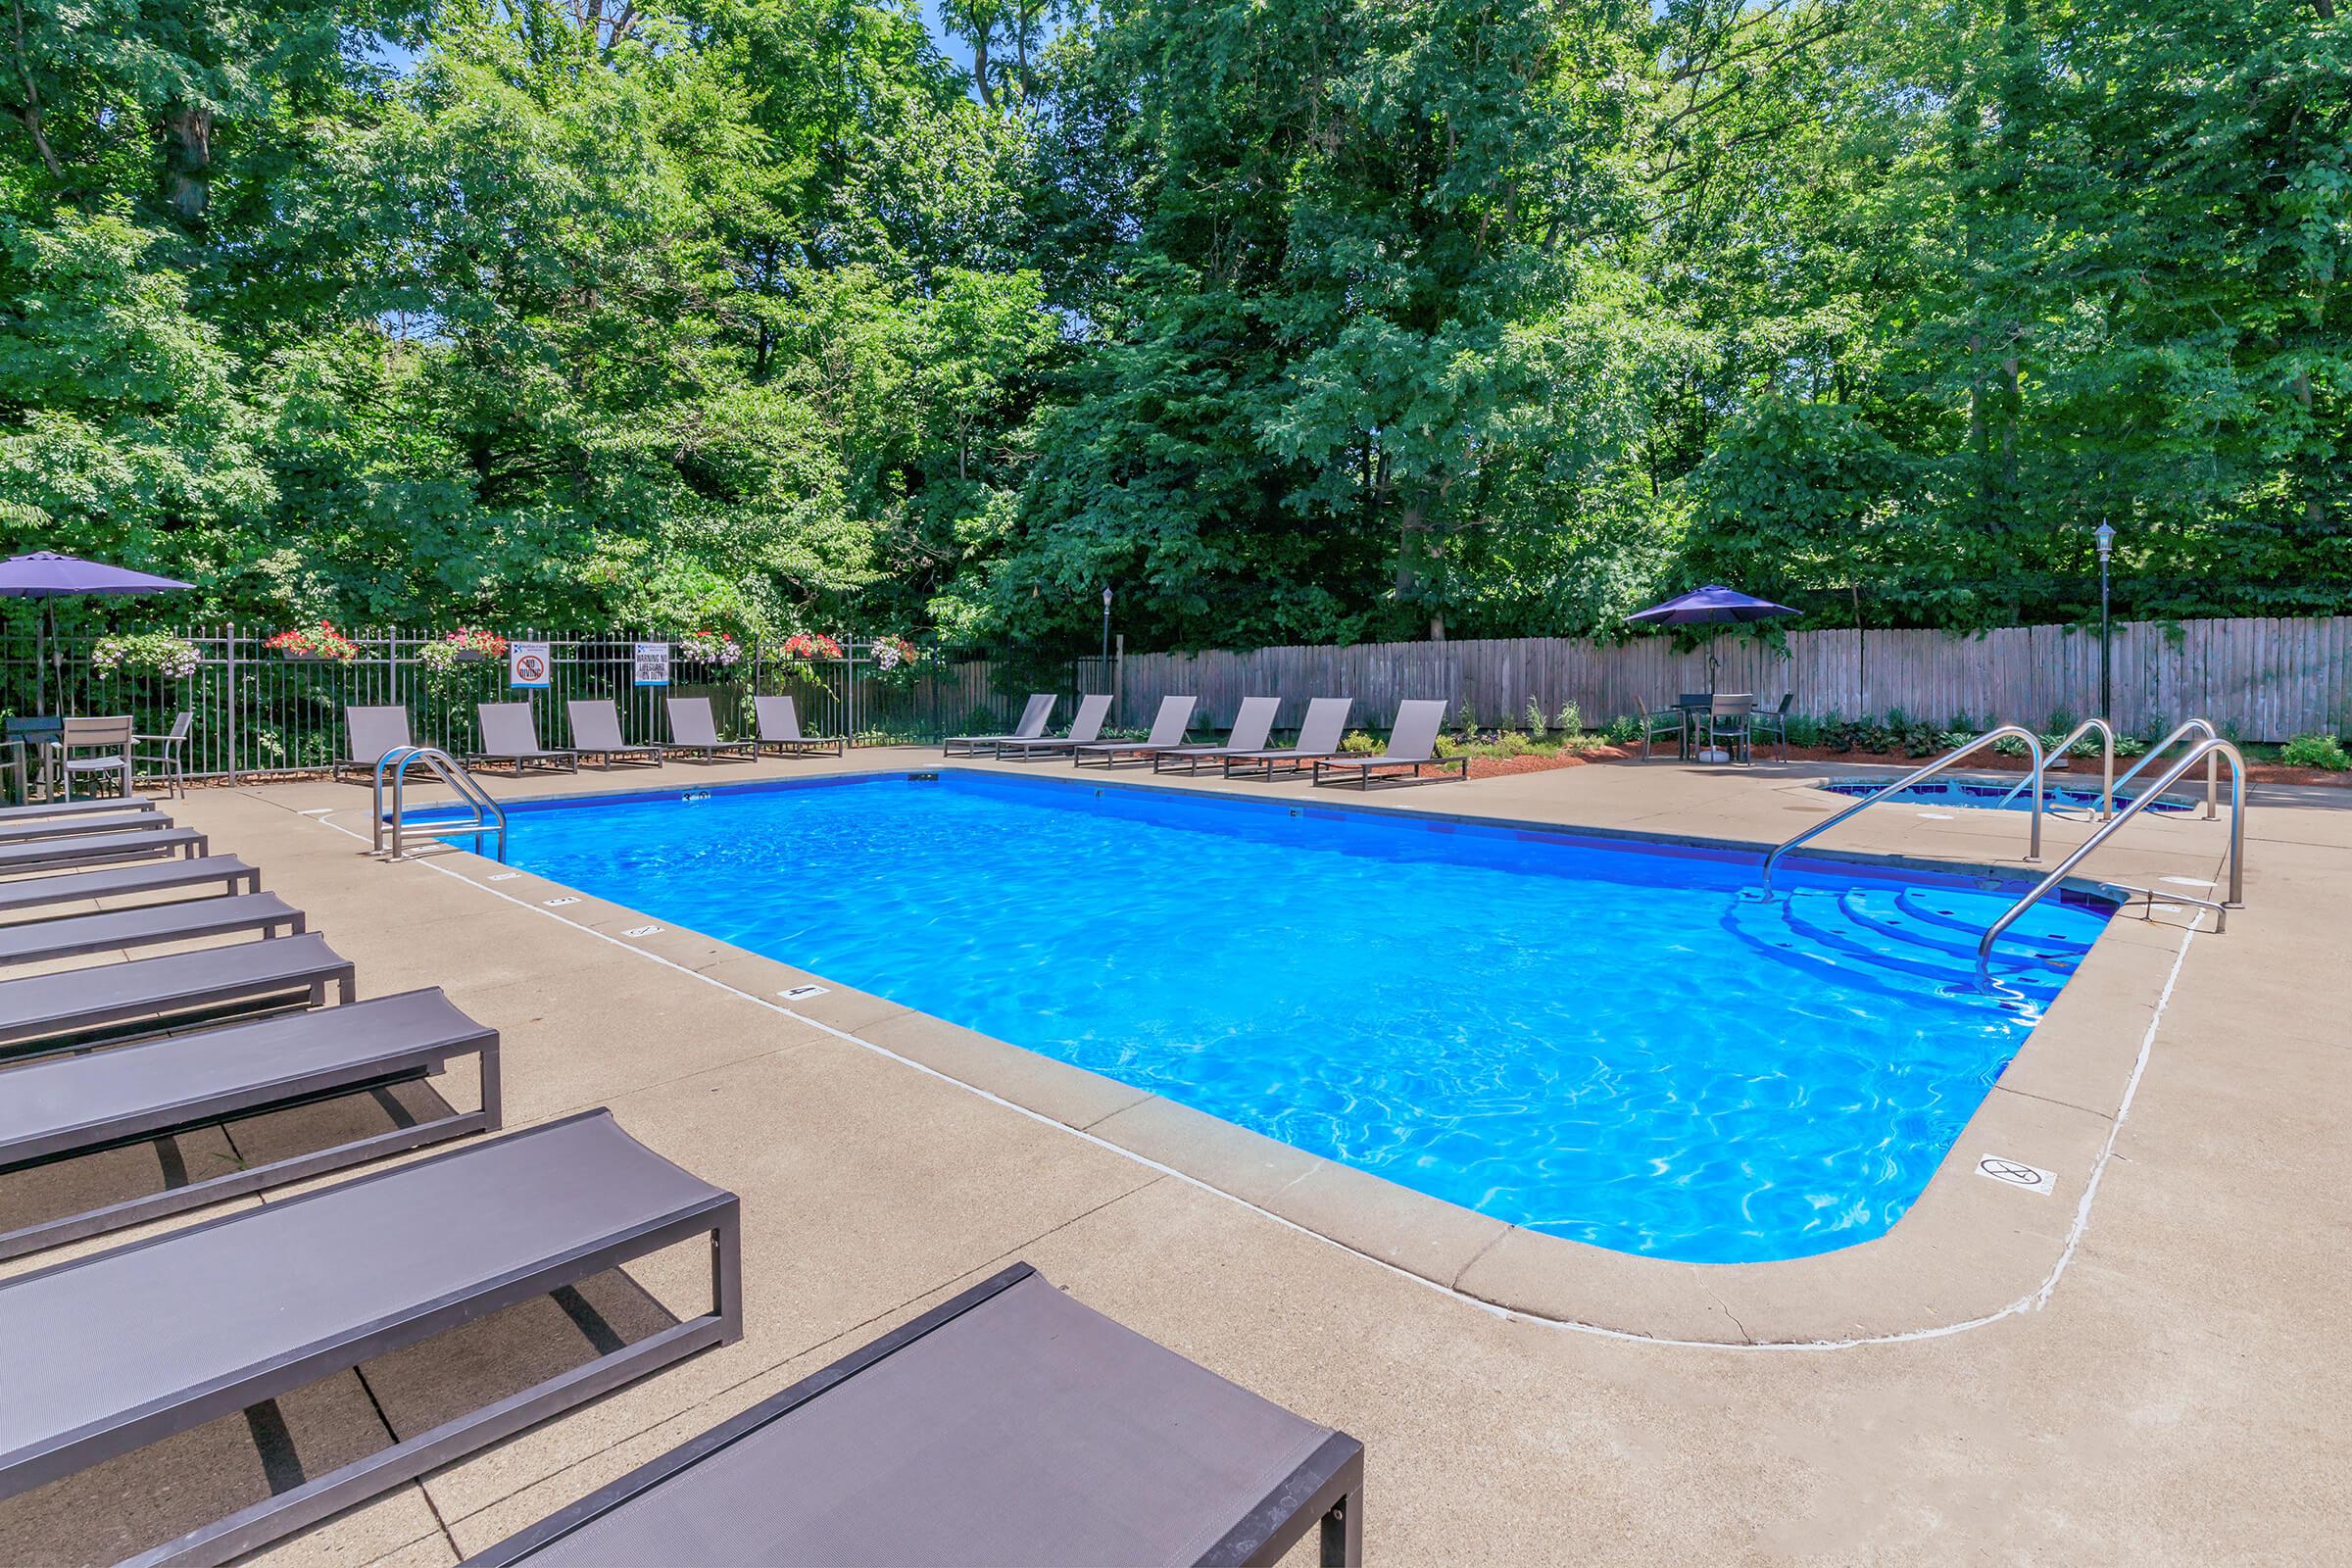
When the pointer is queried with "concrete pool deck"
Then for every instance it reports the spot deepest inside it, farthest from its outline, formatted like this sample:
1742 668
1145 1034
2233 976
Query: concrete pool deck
2175 1395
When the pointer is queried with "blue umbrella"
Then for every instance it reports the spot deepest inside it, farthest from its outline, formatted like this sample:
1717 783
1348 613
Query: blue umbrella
1711 606
47 575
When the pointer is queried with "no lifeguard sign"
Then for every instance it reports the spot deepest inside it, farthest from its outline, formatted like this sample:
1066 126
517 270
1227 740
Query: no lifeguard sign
527 666
653 663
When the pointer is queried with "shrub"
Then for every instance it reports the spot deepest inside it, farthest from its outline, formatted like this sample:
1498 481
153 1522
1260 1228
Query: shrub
2315 751
1951 740
1804 731
2131 746
1511 742
1571 722
1535 724
1623 730
1356 742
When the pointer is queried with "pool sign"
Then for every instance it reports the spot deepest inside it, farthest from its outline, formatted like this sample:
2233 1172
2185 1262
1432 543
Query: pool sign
2017 1173
527 666
653 663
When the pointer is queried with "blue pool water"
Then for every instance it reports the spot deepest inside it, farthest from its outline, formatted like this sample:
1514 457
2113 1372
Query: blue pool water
1599 1040
1988 792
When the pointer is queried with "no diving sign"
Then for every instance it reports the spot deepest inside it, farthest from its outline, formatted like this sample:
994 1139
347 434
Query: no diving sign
2017 1173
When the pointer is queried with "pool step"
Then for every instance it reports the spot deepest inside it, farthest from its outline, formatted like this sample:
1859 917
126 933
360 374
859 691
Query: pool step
1870 940
1883 916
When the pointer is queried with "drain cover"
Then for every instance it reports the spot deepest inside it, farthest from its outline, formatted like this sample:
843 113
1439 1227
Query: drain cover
2017 1173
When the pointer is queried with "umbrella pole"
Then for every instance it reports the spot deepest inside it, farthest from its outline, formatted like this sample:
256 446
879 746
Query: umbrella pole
40 674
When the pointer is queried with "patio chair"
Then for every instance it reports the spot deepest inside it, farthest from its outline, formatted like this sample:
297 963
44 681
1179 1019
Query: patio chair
1009 1424
171 876
694 731
780 727
1252 724
511 736
1034 719
1319 735
110 739
146 925
1727 721
596 732
64 1107
1772 724
1168 725
234 1311
62 1012
371 732
98 848
1657 721
1410 756
1085 728
166 753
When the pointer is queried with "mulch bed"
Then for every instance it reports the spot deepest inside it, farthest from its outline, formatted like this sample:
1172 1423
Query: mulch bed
2083 769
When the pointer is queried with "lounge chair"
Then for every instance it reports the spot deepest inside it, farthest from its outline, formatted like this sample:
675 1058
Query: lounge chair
1034 719
1085 728
98 848
372 732
101 805
65 827
694 732
1319 735
511 736
596 732
1251 727
62 1106
146 925
104 1354
1168 725
134 997
75 887
1410 756
1008 1425
780 727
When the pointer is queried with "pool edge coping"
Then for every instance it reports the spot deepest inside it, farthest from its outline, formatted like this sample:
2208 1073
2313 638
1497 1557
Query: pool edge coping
1967 1254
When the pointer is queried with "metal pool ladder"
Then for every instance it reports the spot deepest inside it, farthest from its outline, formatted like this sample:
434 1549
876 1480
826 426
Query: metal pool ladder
2205 751
1949 759
2059 753
488 815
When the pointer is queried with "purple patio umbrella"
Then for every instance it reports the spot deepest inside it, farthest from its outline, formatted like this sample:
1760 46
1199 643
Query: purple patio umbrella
1711 606
47 575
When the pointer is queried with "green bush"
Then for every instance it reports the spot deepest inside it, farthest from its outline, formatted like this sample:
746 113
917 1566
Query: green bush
1570 722
1804 731
2131 746
1623 730
1537 725
1356 742
2315 751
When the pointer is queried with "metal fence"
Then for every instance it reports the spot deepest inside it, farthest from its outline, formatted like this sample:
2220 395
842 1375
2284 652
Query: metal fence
257 711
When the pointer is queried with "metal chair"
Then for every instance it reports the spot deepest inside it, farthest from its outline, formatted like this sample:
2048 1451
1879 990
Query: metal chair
1727 719
109 737
1773 723
1657 721
166 754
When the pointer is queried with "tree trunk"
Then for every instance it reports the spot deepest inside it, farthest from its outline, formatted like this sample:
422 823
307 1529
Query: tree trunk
187 138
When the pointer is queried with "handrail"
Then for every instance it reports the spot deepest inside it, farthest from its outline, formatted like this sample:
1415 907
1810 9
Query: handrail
488 815
1998 732
2107 770
2211 781
2204 751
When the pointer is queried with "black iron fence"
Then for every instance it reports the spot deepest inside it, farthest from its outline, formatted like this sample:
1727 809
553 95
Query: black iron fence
256 711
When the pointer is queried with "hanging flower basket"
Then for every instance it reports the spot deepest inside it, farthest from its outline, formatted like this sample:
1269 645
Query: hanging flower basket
321 644
464 646
897 661
155 653
713 650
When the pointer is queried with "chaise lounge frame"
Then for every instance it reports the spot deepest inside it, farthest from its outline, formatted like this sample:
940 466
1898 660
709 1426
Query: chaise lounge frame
1319 736
65 1108
505 728
107 882
1035 717
596 732
779 722
1413 747
73 1440
68 1009
704 744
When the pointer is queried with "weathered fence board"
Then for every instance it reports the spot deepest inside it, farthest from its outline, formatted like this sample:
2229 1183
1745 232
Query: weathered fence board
2264 680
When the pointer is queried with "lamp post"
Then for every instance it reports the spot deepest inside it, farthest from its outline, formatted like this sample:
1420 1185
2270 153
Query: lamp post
1106 629
2106 538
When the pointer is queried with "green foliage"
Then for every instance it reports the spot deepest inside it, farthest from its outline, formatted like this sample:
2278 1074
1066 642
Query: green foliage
2315 751
1536 727
1626 730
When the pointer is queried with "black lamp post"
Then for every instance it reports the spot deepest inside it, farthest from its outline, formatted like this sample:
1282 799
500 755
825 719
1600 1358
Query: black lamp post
1106 631
2106 538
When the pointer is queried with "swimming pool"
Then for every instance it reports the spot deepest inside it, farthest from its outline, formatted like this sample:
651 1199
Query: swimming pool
1594 1039
1995 793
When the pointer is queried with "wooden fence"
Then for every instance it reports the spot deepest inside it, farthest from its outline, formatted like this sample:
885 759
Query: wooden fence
2262 680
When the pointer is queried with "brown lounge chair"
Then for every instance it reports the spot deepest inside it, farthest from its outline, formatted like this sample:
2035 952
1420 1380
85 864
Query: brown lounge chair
1034 718
103 1354
1319 736
596 732
1168 725
1410 756
693 731
1010 1425
1085 729
1250 726
780 727
510 738
372 730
